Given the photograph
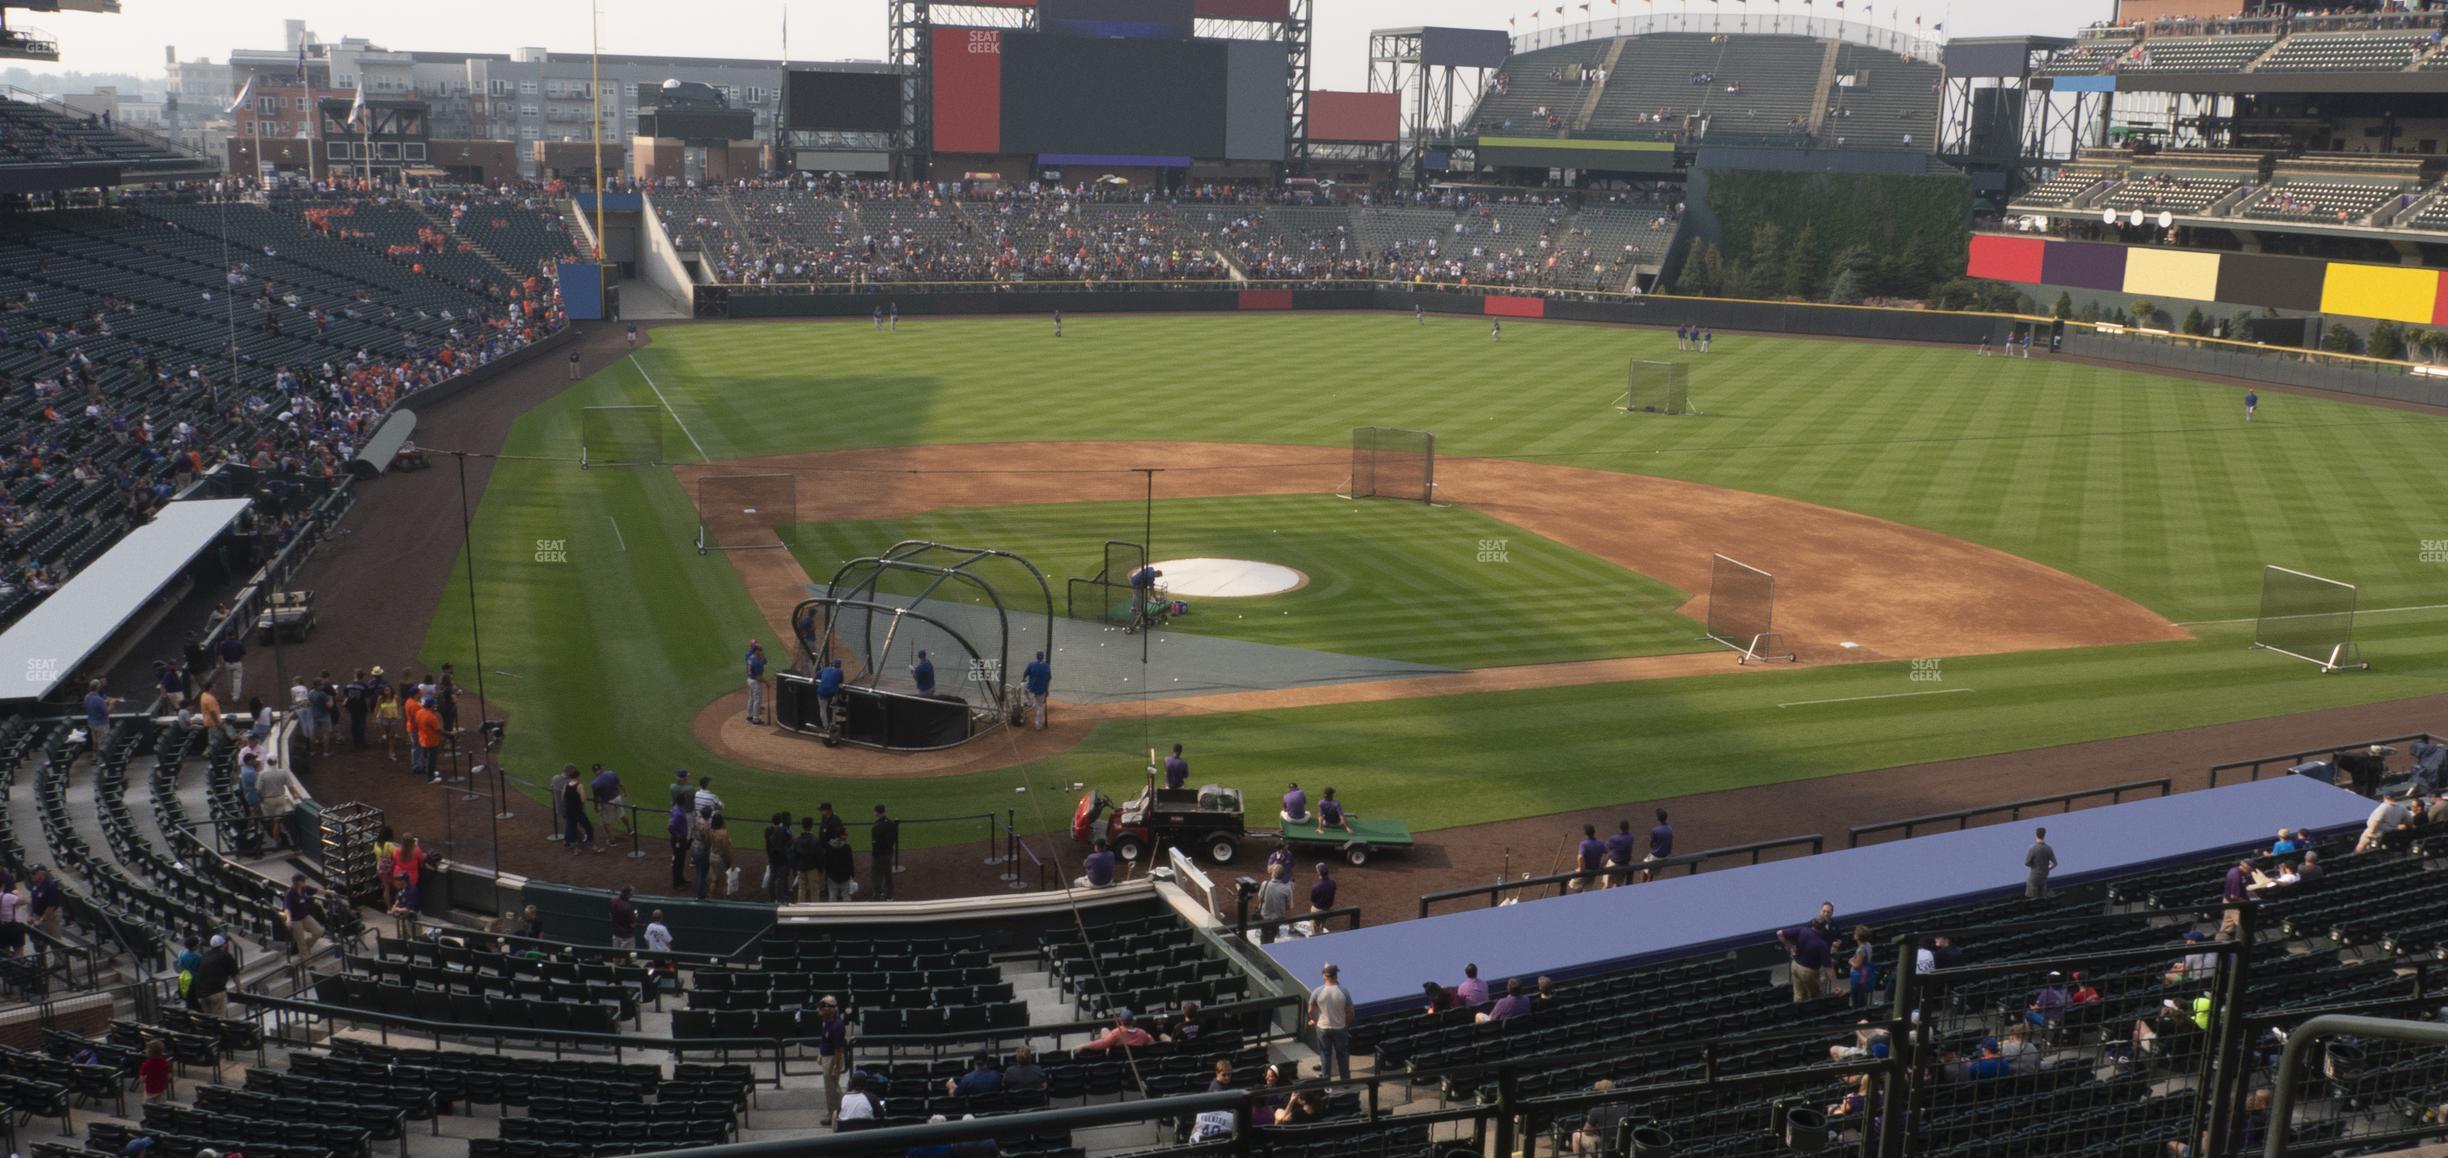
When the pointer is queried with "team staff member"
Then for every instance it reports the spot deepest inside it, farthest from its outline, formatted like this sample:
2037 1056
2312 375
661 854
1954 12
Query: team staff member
884 837
1036 680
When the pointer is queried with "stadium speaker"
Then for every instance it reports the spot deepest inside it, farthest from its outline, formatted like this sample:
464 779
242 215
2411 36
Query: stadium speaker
1651 1142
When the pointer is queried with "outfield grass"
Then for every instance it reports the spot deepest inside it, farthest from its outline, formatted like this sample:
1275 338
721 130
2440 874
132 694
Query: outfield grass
2149 486
1390 580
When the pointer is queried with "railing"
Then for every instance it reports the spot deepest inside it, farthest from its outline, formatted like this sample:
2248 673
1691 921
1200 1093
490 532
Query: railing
286 1010
1898 40
143 134
2291 759
1962 818
2291 1079
736 826
1689 862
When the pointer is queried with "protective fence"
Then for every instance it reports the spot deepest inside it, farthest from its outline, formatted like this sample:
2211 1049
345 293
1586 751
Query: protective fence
620 436
2307 617
1392 463
747 511
1107 596
1657 388
1742 610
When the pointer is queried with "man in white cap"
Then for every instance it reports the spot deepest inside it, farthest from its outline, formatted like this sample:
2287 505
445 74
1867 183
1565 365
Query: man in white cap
215 972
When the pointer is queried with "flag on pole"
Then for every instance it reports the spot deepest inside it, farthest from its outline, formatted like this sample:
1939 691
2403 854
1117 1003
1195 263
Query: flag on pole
301 63
357 111
245 94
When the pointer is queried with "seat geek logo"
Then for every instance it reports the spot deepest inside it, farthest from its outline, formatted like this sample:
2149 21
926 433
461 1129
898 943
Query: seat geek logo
2433 551
985 44
552 551
1495 551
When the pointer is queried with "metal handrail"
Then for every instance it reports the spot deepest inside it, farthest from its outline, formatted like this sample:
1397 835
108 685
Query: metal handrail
2333 751
1690 862
680 1045
2290 1076
2014 808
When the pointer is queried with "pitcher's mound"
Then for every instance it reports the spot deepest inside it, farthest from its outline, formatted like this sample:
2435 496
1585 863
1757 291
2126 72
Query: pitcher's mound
1228 578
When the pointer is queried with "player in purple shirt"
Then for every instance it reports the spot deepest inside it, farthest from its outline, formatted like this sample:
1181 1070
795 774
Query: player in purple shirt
1295 803
1099 866
1176 769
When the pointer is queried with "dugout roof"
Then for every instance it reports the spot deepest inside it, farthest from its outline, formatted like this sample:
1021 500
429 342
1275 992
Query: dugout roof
54 640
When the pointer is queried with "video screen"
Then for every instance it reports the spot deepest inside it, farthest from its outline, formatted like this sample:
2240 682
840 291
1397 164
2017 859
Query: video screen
842 101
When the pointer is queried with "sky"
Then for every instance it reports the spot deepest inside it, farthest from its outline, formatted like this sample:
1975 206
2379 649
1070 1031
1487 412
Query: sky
133 40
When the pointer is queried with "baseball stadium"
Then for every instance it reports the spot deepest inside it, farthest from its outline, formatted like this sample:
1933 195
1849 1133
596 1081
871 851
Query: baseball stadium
1168 578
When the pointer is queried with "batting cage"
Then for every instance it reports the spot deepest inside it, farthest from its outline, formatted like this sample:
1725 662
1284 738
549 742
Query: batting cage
1392 463
743 512
1742 610
620 436
931 640
1657 388
1106 598
2307 617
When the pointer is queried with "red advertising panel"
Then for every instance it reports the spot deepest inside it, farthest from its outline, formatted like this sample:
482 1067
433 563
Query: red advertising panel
1266 299
968 90
1512 307
2007 258
1368 117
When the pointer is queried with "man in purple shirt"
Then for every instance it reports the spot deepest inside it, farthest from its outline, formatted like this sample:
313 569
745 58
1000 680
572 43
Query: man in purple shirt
2238 888
1619 851
1176 769
1510 1006
1322 894
1099 868
1472 993
1592 857
1661 843
1808 947
1295 803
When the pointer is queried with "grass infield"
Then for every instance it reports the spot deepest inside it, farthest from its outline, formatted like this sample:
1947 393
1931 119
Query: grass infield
2150 486
1393 580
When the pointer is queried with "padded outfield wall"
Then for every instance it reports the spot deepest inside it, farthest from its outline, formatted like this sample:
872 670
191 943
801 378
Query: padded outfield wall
2411 294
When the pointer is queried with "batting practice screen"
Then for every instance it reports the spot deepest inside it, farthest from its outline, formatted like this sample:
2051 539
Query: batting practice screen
1391 463
739 512
1742 608
620 435
2307 617
1658 388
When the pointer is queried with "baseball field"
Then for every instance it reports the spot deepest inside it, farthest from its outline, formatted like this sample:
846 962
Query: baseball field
2023 553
